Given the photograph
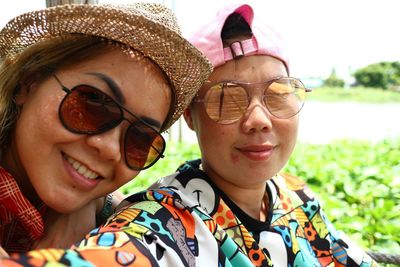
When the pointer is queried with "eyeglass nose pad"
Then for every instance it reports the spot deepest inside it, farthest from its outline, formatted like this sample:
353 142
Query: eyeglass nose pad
255 98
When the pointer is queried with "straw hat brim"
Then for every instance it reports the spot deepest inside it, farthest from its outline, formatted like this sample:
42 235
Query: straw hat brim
147 27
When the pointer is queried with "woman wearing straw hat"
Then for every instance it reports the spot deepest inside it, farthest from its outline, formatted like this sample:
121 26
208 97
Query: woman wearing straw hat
85 92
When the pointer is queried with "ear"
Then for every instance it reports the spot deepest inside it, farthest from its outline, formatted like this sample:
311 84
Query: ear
187 114
22 95
24 91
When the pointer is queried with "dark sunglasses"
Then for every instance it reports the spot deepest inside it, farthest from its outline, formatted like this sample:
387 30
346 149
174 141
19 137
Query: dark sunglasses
226 102
88 110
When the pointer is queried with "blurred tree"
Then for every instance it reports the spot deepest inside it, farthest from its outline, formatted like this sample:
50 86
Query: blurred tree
333 80
379 75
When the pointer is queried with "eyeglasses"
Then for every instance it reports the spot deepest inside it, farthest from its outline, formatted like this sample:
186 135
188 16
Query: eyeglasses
87 110
226 102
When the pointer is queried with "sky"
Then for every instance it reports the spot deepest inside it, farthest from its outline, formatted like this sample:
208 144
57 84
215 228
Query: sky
321 34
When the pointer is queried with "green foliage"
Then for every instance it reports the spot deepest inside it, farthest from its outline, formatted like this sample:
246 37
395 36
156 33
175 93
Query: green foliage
357 182
379 75
359 185
353 94
334 81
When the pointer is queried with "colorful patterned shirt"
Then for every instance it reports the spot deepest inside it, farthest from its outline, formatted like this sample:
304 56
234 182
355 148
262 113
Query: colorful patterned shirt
185 220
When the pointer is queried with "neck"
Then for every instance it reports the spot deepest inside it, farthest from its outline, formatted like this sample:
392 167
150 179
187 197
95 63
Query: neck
252 200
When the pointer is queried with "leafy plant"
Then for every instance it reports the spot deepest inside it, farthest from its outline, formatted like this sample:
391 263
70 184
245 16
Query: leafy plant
359 184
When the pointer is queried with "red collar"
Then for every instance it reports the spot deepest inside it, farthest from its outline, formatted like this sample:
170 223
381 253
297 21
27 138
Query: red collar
16 205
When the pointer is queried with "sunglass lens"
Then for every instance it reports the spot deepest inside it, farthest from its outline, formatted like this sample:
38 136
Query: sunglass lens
226 102
143 146
88 110
285 97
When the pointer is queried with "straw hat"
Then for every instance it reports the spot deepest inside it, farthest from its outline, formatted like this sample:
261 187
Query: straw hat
147 27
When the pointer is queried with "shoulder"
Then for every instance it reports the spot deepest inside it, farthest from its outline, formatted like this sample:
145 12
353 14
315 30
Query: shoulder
293 182
296 195
155 201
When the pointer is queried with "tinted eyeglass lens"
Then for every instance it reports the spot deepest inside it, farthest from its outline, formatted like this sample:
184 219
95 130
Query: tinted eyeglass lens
285 97
88 110
226 102
143 146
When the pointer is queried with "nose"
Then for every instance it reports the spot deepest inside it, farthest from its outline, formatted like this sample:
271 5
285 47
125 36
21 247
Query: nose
257 118
107 144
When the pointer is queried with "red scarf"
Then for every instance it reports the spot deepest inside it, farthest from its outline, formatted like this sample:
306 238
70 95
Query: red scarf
21 224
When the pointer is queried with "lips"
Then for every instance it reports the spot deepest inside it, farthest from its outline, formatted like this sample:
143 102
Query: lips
257 152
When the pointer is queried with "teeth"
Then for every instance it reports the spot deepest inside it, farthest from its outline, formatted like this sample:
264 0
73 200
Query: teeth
82 169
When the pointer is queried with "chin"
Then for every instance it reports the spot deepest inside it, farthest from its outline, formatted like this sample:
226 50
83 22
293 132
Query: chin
63 207
62 203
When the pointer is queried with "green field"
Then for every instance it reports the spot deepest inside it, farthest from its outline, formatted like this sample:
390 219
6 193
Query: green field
354 94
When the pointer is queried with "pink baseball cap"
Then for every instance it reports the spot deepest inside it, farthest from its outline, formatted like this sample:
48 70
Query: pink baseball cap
265 40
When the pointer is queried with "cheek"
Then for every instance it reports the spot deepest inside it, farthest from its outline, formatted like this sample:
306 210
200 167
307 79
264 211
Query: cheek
214 137
42 117
235 158
39 125
215 140
287 130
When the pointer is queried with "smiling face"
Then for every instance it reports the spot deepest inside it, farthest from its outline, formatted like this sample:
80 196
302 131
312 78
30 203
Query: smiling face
253 149
60 166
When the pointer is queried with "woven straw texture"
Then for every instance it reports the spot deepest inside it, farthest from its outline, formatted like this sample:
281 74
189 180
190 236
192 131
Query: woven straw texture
147 27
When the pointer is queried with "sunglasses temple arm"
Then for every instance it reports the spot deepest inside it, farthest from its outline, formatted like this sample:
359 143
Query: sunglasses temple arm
65 89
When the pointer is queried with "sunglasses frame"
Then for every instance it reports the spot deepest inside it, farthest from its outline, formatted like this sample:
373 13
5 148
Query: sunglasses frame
245 86
112 125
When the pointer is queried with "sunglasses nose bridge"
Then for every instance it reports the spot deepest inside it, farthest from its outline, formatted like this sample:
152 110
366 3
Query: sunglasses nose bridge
257 105
256 94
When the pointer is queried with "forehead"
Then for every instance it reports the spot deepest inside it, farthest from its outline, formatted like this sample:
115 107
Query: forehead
253 69
144 88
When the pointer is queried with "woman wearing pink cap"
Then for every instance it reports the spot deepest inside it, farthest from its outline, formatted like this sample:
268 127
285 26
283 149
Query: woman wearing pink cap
232 207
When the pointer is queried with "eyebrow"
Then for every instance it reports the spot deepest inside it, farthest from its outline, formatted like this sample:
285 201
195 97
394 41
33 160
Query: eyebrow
152 122
112 85
121 99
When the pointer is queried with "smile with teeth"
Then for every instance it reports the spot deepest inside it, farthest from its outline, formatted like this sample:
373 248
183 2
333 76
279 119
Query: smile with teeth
82 169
